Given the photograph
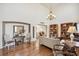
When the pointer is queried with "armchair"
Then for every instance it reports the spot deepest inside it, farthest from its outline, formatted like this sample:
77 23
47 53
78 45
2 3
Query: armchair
8 42
64 50
58 50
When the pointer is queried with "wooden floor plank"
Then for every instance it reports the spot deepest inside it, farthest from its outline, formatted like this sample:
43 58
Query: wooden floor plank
26 49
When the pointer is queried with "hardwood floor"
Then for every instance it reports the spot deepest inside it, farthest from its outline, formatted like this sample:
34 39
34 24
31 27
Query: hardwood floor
26 49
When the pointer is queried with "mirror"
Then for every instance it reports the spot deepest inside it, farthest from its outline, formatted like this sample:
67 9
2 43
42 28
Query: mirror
18 29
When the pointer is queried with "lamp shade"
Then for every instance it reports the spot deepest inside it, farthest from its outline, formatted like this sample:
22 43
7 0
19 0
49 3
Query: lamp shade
72 29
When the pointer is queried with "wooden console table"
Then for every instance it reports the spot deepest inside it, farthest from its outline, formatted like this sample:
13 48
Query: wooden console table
19 39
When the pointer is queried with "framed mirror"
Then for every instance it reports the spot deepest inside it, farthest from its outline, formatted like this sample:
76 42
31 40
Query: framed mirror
18 29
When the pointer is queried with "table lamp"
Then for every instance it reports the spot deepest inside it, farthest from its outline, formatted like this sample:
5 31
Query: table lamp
71 30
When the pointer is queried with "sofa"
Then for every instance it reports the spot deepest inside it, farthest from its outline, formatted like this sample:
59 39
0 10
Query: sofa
49 42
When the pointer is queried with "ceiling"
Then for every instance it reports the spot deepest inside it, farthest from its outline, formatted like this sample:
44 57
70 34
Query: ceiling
54 6
38 12
63 11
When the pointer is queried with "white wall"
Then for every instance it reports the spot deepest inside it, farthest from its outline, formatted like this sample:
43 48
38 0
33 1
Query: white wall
34 13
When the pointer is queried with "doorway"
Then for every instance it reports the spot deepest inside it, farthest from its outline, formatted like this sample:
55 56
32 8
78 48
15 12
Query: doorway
41 30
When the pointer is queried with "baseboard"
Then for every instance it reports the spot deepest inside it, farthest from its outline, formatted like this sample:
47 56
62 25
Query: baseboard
33 39
1 47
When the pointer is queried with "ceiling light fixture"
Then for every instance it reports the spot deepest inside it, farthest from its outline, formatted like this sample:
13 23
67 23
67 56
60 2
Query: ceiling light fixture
51 16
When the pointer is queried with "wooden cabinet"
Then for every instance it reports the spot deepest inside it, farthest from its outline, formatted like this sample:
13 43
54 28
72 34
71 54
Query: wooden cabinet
53 30
64 29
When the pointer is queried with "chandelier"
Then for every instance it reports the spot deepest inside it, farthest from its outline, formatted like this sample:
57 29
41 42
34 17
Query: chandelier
50 15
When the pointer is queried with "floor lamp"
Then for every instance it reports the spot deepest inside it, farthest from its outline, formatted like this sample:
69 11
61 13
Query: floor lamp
71 30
